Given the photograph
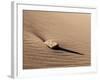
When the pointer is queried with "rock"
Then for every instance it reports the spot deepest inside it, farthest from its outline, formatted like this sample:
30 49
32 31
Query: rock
51 43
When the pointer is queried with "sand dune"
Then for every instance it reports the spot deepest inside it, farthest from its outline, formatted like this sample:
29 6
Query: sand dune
70 30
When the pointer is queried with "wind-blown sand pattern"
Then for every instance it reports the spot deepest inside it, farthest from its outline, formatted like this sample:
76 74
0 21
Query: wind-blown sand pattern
70 30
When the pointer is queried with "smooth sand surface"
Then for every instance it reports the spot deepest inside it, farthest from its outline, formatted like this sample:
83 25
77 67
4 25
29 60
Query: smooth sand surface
70 30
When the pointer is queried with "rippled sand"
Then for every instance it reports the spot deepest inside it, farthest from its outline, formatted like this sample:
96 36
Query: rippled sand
70 30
